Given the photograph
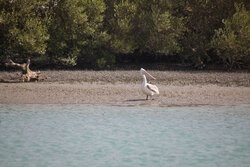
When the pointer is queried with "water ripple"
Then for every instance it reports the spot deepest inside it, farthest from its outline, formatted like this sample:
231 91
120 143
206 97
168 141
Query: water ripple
75 135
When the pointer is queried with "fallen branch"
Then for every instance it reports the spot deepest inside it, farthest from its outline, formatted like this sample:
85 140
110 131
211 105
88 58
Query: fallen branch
27 74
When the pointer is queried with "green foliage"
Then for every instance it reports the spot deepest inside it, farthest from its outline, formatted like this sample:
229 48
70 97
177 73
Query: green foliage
201 18
76 30
22 28
145 27
166 32
122 41
232 43
96 32
66 19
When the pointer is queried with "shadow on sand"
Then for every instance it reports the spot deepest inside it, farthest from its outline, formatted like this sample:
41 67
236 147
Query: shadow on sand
134 100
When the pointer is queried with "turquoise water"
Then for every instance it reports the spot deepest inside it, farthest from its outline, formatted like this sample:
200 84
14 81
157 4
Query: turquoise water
74 135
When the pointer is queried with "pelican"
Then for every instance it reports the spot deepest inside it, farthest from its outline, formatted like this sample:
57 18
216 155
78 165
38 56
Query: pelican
148 89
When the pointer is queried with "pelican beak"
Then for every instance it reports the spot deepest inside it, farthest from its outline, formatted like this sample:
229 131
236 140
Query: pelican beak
149 75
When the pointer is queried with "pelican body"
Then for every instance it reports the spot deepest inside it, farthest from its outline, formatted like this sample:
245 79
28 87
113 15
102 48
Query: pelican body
148 89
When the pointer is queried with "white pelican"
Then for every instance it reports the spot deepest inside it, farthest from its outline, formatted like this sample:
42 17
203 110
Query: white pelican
148 89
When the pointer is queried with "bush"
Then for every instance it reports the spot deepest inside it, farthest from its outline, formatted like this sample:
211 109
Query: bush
232 42
23 31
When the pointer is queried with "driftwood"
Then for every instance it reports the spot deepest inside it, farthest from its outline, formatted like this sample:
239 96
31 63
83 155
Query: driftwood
27 74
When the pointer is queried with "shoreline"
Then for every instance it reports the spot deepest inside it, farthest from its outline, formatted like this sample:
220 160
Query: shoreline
122 88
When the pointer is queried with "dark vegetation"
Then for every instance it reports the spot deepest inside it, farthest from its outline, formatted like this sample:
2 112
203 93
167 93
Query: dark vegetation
113 34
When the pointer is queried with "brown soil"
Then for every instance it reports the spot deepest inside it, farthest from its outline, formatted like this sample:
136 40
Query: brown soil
123 88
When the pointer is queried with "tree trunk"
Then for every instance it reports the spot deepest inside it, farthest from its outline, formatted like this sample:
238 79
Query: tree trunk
27 74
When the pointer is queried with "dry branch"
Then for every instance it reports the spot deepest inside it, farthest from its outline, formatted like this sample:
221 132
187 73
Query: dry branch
27 74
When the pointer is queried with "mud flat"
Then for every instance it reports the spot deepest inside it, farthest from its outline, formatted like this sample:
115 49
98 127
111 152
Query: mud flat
177 88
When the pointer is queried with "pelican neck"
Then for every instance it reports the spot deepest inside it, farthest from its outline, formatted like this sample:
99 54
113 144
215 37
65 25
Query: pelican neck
144 79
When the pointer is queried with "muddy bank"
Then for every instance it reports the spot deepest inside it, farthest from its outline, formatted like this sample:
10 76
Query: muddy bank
123 88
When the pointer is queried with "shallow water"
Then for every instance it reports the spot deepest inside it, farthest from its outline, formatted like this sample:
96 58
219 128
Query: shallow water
75 135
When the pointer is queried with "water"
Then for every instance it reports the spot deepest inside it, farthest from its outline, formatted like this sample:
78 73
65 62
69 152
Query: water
74 135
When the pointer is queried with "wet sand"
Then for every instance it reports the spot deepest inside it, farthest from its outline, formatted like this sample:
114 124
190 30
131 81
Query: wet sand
122 88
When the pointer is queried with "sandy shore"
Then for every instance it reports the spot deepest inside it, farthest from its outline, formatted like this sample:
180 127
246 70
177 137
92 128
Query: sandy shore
123 88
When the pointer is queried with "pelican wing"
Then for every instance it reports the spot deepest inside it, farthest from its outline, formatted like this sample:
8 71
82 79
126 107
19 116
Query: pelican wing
153 88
